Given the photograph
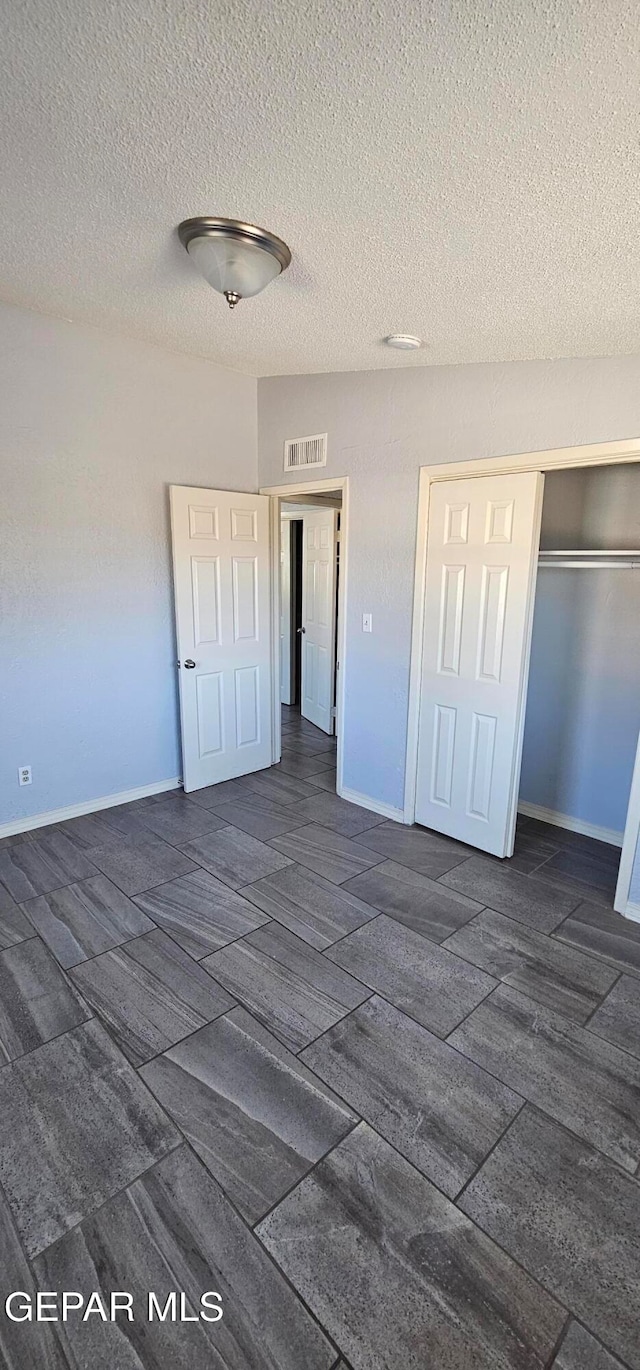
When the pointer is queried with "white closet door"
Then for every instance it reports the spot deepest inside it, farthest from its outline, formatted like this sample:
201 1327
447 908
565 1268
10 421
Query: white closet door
481 567
222 592
319 558
628 886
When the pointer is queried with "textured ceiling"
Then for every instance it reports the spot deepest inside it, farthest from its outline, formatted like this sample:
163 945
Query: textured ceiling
467 170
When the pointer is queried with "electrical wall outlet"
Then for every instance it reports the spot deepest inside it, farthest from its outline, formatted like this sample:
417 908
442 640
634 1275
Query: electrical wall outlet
367 623
24 775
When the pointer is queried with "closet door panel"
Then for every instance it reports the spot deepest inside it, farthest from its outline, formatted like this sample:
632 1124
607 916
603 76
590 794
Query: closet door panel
480 577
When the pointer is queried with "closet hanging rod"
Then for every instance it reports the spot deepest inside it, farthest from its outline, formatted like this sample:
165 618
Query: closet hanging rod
584 565
631 553
590 558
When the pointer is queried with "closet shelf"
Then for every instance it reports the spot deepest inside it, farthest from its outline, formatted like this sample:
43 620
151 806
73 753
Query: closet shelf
586 558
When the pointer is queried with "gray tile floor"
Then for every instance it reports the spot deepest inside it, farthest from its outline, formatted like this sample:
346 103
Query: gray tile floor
381 1092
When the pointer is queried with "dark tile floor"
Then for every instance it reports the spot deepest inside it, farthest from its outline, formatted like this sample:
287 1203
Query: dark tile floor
379 1091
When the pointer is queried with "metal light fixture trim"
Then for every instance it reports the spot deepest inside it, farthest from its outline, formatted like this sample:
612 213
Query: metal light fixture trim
234 230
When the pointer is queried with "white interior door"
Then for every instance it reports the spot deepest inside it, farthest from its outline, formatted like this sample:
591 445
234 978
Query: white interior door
221 573
319 552
285 611
482 554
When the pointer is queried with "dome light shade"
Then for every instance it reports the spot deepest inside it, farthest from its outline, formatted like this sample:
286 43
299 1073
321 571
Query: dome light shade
237 259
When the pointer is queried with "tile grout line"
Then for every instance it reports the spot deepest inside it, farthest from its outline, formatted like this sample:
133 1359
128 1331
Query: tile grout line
454 1202
533 1103
136 937
597 957
198 960
599 1037
157 927
588 1020
377 913
238 1002
308 1173
523 876
164 1051
564 945
265 1250
469 1060
565 851
559 1343
92 1018
321 950
597 1338
116 1194
509 1255
338 1023
478 1222
552 936
492 1148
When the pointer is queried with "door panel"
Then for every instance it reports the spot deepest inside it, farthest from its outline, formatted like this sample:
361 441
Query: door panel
319 551
221 581
480 578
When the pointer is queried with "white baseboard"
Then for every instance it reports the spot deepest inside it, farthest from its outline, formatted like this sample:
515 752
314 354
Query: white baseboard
632 911
564 820
107 801
376 805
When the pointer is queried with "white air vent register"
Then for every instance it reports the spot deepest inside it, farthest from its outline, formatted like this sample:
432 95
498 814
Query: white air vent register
299 452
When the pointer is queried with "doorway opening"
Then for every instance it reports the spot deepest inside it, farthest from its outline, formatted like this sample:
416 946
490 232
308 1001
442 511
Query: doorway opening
309 540
309 606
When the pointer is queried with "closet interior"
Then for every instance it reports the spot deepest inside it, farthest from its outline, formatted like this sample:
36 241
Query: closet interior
583 704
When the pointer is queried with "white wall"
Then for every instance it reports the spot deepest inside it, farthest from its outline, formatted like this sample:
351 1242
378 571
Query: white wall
583 707
93 429
382 427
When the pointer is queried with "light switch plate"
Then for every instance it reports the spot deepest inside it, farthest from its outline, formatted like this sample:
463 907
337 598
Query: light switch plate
367 623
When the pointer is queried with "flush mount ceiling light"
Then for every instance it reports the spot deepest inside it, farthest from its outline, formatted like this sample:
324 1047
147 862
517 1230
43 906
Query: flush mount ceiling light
237 259
405 342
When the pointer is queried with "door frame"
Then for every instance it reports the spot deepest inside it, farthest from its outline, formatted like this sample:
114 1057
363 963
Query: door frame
286 561
553 459
276 493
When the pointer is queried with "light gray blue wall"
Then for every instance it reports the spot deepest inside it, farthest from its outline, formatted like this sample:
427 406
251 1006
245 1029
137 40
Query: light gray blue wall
583 707
93 429
384 425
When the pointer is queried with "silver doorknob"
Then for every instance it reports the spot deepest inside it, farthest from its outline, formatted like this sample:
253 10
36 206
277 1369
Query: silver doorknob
189 664
301 630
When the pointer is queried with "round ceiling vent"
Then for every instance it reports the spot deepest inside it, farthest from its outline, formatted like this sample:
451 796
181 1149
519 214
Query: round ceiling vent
405 342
